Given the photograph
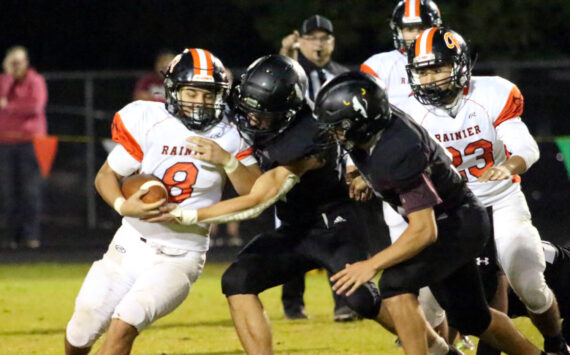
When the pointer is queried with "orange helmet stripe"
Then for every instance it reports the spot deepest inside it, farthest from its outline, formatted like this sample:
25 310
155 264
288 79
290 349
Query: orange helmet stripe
412 8
424 42
196 59
429 41
209 65
202 62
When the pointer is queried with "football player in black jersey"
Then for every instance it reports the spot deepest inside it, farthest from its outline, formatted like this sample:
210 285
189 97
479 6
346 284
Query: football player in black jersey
447 227
320 226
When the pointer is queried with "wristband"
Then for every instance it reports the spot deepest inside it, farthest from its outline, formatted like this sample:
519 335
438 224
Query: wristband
185 217
118 204
231 165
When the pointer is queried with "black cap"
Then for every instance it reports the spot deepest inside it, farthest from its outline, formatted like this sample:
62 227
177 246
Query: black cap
316 22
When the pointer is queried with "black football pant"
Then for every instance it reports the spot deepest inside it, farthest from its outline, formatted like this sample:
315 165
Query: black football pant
448 267
293 290
331 241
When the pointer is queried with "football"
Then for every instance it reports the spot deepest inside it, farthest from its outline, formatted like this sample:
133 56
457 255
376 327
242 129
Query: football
133 183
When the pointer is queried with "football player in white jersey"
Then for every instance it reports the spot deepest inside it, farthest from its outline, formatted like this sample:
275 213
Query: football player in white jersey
149 268
478 120
409 18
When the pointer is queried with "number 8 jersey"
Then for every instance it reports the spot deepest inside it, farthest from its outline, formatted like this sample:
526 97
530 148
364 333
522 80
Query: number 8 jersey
152 141
485 130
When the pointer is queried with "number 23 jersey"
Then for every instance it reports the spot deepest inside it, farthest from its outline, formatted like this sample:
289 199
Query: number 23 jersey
151 141
481 133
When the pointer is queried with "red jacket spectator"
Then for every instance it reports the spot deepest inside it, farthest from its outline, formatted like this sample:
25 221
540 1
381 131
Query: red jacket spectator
151 86
22 116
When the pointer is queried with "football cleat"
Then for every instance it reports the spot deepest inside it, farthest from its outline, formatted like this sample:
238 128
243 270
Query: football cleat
346 314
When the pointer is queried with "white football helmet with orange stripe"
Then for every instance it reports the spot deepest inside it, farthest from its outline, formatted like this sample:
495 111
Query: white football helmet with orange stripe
408 13
435 47
196 68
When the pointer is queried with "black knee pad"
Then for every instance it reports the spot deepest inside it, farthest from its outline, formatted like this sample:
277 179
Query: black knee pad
469 321
365 300
234 281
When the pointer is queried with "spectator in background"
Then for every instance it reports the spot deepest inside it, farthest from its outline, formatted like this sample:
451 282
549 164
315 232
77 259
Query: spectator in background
23 96
312 48
151 86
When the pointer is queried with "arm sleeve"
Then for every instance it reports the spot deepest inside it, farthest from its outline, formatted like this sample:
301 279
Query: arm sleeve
514 104
518 140
365 68
245 154
125 137
419 196
255 211
122 162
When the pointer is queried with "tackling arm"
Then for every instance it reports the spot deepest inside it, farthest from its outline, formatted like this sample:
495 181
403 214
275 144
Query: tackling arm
268 188
243 177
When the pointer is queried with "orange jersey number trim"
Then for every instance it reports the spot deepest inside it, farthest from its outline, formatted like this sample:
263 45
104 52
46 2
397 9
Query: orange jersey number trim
474 148
179 179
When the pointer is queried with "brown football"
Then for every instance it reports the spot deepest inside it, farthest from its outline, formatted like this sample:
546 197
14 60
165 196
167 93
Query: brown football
156 189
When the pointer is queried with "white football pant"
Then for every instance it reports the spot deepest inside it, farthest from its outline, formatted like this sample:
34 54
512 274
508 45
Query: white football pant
134 282
520 252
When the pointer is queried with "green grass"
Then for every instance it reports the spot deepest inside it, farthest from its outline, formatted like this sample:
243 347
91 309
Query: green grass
36 301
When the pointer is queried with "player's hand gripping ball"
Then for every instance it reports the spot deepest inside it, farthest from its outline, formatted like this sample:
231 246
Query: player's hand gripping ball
156 189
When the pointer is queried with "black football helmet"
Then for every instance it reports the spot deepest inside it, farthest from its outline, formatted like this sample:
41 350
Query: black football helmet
352 107
432 48
197 68
409 13
270 93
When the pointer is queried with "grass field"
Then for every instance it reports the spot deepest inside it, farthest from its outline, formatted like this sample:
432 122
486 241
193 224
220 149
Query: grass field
36 301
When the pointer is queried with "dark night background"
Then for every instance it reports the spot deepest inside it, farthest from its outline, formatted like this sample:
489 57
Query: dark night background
526 41
89 34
